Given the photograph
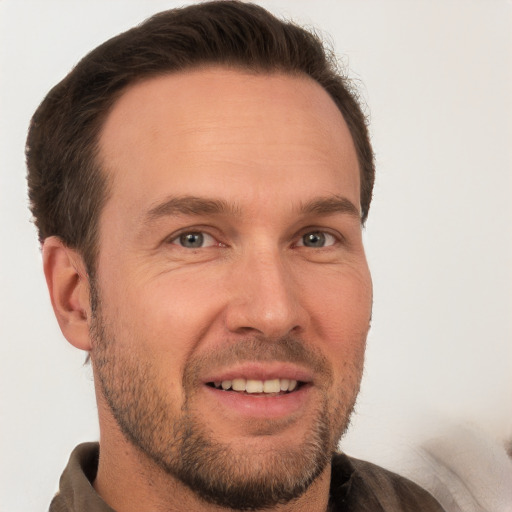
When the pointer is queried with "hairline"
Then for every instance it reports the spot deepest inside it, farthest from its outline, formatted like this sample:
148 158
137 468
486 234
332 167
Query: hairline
100 166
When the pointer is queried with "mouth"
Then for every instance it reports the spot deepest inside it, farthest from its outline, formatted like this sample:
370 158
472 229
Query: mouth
260 391
255 387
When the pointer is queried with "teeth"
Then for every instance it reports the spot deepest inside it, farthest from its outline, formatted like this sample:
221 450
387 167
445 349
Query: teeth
254 386
257 386
271 386
226 384
238 384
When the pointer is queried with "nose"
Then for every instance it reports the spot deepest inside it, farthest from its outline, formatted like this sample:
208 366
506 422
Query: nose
265 297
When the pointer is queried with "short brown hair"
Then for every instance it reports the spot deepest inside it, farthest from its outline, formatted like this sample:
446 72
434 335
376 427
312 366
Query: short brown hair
66 186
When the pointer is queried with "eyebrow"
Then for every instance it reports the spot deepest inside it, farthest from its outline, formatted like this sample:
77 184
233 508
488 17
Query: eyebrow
330 205
195 206
190 205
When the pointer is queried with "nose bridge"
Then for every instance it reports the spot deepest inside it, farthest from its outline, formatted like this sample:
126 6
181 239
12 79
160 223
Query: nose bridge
265 297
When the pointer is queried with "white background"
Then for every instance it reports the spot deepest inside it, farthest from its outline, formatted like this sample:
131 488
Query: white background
437 78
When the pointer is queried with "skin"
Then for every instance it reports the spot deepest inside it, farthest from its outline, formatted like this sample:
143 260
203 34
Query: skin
266 147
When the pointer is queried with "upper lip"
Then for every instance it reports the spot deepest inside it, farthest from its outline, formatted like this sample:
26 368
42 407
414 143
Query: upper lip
261 371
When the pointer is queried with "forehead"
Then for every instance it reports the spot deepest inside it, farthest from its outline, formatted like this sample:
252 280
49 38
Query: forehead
198 131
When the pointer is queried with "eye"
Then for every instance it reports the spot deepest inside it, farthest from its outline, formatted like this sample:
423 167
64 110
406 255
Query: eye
194 240
317 239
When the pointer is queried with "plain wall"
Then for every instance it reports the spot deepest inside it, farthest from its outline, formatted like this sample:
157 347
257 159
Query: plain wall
437 78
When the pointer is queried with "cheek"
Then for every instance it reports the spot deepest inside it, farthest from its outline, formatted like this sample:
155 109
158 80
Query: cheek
340 315
165 316
340 302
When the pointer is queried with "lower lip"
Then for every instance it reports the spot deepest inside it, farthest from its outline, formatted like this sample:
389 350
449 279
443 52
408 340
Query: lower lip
260 406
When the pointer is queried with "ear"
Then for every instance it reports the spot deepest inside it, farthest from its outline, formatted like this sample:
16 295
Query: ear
68 284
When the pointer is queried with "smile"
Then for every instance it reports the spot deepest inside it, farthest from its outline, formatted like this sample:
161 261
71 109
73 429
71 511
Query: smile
251 386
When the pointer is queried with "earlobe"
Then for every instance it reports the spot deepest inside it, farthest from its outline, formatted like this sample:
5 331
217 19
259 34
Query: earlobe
68 285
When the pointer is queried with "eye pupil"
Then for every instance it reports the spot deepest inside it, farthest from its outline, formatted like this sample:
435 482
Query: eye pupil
315 239
192 240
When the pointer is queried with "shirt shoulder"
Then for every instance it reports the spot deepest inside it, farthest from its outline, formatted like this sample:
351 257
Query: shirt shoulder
76 491
360 486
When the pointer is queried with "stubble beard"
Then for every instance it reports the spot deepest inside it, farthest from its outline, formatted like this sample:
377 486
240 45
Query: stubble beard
186 449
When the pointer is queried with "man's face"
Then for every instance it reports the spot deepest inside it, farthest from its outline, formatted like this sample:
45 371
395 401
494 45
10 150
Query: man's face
234 292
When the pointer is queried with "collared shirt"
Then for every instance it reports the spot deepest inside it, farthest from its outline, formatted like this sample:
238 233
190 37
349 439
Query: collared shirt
356 486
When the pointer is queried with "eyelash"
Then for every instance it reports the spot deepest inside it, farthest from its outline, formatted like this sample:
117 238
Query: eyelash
178 238
333 239
316 232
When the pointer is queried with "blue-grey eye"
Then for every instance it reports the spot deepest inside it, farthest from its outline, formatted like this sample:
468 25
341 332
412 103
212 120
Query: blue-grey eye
194 240
191 240
317 239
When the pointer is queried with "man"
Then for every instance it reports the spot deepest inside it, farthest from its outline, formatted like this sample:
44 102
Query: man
199 184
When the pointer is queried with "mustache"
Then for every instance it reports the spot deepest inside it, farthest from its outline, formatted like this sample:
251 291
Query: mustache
289 349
